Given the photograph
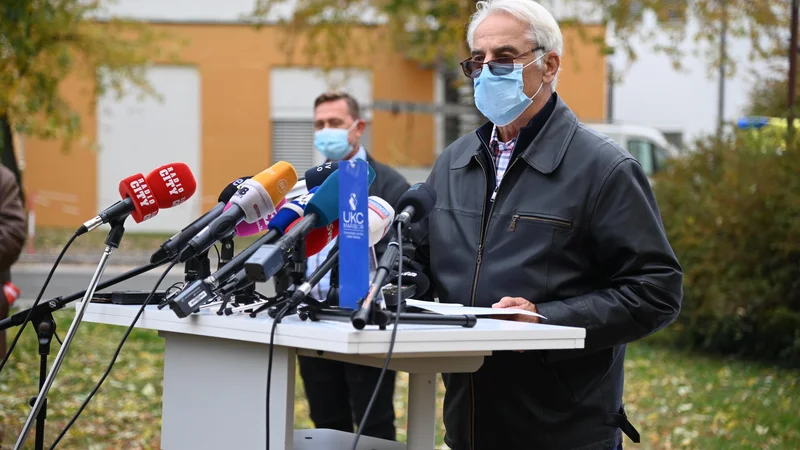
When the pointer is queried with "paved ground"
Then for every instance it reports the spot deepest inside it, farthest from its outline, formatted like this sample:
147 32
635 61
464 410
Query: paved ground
71 278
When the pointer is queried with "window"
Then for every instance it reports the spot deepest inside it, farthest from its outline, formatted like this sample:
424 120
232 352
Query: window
661 158
643 152
293 142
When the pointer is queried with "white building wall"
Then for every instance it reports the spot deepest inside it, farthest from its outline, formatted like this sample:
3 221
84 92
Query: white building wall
653 93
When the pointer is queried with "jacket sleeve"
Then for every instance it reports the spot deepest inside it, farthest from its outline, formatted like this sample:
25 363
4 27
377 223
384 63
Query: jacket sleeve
420 254
644 281
12 220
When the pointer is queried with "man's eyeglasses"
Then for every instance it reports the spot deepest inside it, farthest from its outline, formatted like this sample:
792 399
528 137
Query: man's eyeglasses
498 66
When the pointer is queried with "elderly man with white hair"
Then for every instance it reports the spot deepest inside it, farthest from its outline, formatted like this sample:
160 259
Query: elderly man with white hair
537 211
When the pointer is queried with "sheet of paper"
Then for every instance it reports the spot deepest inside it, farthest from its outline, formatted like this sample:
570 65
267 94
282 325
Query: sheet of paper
456 308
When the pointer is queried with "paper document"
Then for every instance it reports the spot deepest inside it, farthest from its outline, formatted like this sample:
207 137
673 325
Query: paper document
456 308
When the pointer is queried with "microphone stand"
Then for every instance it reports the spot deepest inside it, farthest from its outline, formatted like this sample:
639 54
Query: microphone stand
39 411
369 314
297 274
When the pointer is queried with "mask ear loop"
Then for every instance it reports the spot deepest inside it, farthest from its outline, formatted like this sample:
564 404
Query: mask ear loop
349 129
540 84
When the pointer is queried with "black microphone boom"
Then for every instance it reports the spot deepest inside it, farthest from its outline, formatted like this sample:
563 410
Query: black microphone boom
302 291
191 297
269 259
416 203
174 245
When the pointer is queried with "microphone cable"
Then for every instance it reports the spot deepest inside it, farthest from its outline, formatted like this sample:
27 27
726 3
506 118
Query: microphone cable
391 342
38 299
278 317
113 358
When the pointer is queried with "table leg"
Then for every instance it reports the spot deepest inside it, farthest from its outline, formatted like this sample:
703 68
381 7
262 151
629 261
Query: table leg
215 394
421 411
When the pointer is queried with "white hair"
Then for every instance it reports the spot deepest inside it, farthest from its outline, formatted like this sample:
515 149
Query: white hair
543 29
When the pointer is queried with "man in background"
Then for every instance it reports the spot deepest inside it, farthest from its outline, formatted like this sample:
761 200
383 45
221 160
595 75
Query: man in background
338 392
12 237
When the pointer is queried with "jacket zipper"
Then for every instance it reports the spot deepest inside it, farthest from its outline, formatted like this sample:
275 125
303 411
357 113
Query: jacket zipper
478 262
516 217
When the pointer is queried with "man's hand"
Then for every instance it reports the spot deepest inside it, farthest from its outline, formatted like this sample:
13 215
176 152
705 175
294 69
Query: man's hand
519 303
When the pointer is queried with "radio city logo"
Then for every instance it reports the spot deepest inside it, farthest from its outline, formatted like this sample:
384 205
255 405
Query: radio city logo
141 192
173 183
353 220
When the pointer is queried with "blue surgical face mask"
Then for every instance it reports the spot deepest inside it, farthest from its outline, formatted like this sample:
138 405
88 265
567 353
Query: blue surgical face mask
333 143
501 98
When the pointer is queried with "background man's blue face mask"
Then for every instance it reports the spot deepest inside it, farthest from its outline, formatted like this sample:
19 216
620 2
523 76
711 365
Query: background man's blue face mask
333 143
501 98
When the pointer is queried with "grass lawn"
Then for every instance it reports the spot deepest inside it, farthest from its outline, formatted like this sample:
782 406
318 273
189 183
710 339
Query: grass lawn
676 400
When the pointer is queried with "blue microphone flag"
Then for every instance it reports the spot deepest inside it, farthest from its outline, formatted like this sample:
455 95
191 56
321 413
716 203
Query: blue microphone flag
353 232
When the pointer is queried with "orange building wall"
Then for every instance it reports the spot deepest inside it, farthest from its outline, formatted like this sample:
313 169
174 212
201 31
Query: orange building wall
234 64
583 80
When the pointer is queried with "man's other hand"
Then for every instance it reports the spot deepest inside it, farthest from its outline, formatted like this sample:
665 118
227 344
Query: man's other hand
519 303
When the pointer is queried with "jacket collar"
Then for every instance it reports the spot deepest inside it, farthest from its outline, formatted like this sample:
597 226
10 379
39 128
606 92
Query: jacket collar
544 153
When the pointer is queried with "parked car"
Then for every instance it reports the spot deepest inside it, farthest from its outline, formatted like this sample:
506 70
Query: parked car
646 144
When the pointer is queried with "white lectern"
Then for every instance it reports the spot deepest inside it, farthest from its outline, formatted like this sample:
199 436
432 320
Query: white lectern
215 372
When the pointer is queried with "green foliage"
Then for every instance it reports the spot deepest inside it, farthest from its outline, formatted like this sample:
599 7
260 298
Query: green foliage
432 32
764 23
42 42
731 210
714 404
770 97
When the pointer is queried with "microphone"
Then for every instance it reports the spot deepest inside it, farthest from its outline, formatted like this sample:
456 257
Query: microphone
415 204
319 238
379 217
313 179
187 301
142 196
414 279
254 199
315 176
173 246
244 229
322 209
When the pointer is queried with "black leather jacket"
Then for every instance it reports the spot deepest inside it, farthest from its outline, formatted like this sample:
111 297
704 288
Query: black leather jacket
575 229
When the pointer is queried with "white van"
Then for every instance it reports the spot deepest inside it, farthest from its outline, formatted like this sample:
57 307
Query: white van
646 144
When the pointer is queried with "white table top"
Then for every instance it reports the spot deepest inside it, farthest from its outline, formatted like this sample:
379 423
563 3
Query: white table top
341 337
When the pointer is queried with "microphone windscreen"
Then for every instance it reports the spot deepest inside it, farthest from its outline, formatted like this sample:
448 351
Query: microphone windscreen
325 202
144 201
422 197
172 184
227 193
316 175
412 278
380 218
318 238
277 180
290 212
244 228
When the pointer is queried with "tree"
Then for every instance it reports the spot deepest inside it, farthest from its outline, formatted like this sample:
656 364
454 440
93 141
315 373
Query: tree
433 31
768 97
44 41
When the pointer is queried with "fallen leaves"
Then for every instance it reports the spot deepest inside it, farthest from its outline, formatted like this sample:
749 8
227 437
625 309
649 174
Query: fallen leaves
676 400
